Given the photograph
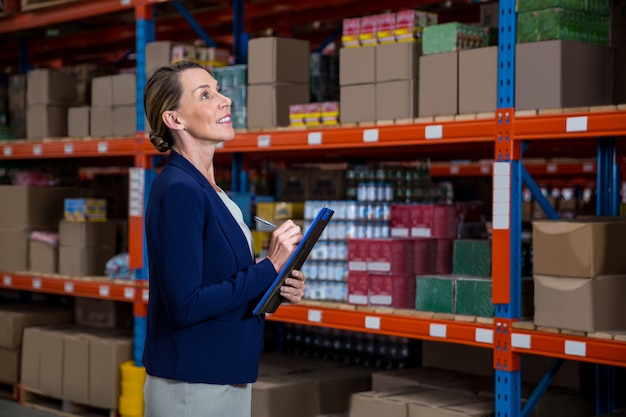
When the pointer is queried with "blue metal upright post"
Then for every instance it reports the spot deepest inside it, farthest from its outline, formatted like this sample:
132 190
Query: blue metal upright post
240 37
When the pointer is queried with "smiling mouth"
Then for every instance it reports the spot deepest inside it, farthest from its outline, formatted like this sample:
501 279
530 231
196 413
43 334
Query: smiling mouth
225 119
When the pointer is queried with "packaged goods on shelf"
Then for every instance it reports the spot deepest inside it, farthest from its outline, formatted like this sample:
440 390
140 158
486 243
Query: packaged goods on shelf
46 121
357 66
330 113
51 87
439 84
472 257
85 247
278 60
124 89
565 24
124 120
262 115
411 23
397 100
368 30
454 36
85 209
399 61
435 293
595 7
43 254
386 28
357 103
78 121
350 32
312 114
478 80
296 115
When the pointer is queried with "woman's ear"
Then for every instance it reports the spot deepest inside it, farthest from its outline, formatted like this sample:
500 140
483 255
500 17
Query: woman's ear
171 120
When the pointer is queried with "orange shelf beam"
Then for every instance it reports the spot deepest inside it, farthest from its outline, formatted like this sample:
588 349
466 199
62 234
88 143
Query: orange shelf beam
571 125
106 289
466 333
535 169
66 148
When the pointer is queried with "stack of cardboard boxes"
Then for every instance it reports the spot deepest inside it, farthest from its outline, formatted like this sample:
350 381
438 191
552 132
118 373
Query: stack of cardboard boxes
49 94
113 108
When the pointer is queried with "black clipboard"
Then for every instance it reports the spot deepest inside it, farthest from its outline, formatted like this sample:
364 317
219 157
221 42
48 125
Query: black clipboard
272 298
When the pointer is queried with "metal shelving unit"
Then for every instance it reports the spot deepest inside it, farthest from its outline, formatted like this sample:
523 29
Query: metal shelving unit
505 135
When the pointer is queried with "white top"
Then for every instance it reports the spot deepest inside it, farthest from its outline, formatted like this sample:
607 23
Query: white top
238 215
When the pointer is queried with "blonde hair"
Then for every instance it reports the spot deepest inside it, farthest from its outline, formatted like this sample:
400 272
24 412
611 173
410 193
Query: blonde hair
161 93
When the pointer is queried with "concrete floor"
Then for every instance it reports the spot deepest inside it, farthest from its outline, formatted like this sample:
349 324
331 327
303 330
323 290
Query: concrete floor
10 408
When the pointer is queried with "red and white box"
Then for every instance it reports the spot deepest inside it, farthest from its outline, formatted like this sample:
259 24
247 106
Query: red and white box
350 32
394 256
358 287
357 254
400 220
425 256
386 28
392 290
296 115
433 221
445 249
368 31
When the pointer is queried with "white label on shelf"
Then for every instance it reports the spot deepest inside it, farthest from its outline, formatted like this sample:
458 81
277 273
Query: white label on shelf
129 293
135 201
575 348
68 286
104 290
68 148
485 169
7 151
37 283
576 124
263 141
501 209
520 340
314 138
588 167
145 295
125 2
103 147
314 316
552 168
454 169
37 149
372 322
438 330
484 336
7 280
370 135
434 132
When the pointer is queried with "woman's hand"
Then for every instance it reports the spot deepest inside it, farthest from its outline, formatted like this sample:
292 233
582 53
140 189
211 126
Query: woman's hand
283 242
293 289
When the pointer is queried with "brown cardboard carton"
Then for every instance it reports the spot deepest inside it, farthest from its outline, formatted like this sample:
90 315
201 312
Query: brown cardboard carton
439 84
559 74
29 369
13 249
17 92
87 234
579 248
357 102
32 207
10 369
124 120
277 396
158 54
79 261
278 60
76 370
43 257
398 61
268 104
106 354
102 91
92 312
46 121
14 318
588 305
478 80
476 408
101 121
51 362
78 121
397 99
47 86
389 403
124 89
357 66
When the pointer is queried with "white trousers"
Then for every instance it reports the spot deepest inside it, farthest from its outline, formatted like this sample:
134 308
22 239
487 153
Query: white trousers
168 398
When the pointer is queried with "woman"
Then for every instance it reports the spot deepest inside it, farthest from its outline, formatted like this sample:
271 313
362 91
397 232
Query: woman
203 343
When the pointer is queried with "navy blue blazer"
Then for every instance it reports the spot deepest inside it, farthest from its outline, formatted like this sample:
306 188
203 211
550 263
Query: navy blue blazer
203 283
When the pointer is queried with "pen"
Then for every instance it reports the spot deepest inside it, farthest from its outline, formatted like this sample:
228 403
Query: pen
265 222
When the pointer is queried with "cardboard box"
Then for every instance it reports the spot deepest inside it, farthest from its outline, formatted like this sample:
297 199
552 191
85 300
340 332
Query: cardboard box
400 222
51 362
18 123
439 84
278 60
17 92
51 87
433 221
106 355
357 66
381 403
33 207
10 369
78 121
76 360
358 253
87 234
478 80
278 396
43 257
109 314
30 362
80 261
357 103
101 121
588 305
268 104
13 249
398 61
124 89
124 120
102 91
571 74
579 248
14 318
358 287
158 54
46 121
397 99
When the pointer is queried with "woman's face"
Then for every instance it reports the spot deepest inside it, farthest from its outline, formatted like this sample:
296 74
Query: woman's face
204 111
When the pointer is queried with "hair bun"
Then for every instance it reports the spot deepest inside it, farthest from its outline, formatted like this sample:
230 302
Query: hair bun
159 143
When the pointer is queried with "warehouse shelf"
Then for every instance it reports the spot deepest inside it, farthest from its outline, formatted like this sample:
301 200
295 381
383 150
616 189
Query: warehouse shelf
93 287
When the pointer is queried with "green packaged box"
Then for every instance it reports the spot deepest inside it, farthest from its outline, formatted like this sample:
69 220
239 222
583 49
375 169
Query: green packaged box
527 27
454 36
435 293
533 5
473 296
472 257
